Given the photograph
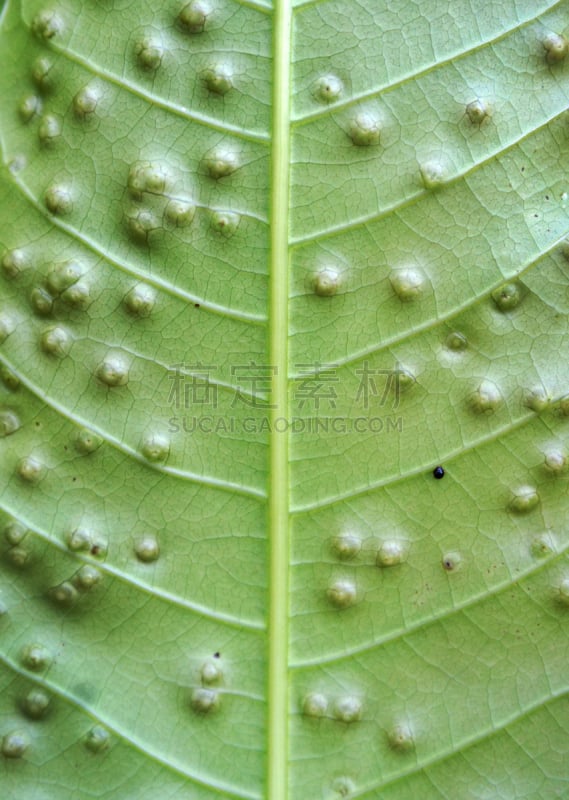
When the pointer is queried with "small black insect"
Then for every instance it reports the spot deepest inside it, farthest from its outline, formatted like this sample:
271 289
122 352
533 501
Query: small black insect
438 473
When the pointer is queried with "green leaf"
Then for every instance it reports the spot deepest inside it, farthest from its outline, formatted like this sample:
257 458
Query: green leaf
284 316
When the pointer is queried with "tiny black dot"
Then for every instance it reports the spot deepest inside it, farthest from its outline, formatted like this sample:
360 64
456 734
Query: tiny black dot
438 473
216 655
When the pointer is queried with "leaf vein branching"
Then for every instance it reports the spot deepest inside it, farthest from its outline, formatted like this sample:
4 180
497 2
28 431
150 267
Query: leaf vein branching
201 480
152 280
155 100
435 619
415 76
127 738
415 198
513 425
181 372
467 743
433 324
153 590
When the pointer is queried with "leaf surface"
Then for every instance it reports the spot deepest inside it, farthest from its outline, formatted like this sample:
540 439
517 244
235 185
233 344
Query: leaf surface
264 270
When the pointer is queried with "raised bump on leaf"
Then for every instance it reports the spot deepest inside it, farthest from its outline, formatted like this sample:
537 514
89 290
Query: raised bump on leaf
64 594
59 199
507 297
211 672
218 78
86 100
477 111
221 162
14 744
525 498
47 23
326 282
563 591
56 341
87 441
9 378
42 74
328 88
141 223
140 300
78 296
30 469
434 173
79 539
97 739
556 47
9 423
36 704
193 17
225 223
113 371
451 562
543 545
19 557
537 399
401 737
155 447
29 106
342 593
342 787
41 301
15 532
49 130
7 325
150 177
35 657
365 129
348 709
64 275
486 399
555 461
147 549
408 284
179 213
315 704
391 552
149 53
205 701
346 546
14 262
86 578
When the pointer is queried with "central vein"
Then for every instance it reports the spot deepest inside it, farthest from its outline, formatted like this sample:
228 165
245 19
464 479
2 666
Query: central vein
277 763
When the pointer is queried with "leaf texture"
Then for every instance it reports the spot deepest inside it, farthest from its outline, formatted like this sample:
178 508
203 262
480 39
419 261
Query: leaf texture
284 400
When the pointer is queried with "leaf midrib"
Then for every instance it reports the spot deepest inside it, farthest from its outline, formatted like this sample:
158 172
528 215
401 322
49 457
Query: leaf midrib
277 759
